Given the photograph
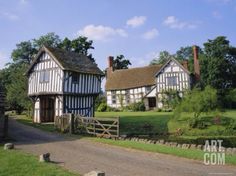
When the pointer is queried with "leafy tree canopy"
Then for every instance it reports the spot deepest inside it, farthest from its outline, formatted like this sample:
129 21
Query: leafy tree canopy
218 64
163 57
121 63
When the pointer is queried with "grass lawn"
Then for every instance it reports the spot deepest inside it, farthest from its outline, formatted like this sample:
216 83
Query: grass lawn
44 126
140 122
14 162
163 122
189 153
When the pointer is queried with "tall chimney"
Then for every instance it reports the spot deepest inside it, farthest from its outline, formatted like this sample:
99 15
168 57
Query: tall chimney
196 63
110 61
109 70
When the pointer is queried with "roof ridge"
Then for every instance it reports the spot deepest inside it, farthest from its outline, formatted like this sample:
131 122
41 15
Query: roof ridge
155 65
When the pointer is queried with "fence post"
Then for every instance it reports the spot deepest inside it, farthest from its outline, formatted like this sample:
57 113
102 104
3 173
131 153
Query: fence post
72 123
118 126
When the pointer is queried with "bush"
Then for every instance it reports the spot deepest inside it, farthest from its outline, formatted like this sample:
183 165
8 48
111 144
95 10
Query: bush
102 107
197 102
199 123
139 106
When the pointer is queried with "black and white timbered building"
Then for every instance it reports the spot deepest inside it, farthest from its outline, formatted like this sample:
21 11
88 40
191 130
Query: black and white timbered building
149 83
61 82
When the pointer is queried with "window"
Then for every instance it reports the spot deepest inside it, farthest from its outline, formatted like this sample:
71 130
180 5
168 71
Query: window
113 97
75 78
148 88
172 81
127 96
44 76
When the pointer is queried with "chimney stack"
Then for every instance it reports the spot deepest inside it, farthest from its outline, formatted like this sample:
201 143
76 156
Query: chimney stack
110 61
196 63
110 66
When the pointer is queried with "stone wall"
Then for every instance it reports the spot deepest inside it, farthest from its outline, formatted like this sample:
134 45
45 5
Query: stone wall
230 151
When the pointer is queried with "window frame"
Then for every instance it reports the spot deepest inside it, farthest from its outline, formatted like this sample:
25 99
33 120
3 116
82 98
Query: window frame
113 97
172 81
44 76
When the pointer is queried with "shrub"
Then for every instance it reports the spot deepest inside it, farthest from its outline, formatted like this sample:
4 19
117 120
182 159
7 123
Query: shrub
102 107
139 106
199 123
197 102
111 109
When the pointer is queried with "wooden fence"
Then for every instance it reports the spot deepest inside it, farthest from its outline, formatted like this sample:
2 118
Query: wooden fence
100 127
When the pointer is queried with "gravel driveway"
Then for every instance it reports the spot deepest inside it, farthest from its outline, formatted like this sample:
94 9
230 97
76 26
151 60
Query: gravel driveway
82 155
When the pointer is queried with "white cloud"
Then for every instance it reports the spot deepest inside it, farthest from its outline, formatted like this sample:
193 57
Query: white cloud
100 32
151 34
136 21
175 23
9 16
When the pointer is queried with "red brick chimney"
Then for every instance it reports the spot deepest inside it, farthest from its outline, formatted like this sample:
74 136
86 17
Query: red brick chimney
196 63
110 61
110 66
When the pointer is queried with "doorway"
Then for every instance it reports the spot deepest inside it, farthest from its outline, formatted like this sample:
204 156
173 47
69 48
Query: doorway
152 102
47 109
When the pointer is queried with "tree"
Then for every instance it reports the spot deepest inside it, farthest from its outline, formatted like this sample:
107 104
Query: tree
50 39
198 101
218 64
17 88
121 63
186 53
164 56
79 45
24 52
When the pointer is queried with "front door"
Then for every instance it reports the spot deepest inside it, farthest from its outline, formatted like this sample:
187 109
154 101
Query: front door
152 102
47 109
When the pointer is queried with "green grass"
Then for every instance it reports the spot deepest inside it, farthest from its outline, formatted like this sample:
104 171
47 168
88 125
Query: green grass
189 153
43 126
137 122
163 123
14 162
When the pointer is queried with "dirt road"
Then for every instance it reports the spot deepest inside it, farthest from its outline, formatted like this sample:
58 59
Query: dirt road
82 155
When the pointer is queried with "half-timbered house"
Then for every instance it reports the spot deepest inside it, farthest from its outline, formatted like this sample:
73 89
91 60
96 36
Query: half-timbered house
60 82
148 84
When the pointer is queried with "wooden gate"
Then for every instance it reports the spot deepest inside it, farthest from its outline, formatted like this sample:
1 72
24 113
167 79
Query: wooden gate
100 127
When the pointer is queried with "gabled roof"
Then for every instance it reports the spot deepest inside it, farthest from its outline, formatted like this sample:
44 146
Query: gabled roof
179 64
137 77
132 78
67 60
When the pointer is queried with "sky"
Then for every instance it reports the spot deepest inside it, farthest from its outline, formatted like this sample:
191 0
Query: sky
138 29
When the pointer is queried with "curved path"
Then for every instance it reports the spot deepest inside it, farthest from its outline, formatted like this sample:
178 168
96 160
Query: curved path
83 156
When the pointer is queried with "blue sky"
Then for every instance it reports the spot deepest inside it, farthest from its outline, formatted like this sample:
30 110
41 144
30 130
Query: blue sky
138 29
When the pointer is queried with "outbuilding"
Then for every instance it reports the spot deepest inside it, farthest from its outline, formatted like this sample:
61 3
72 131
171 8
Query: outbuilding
61 82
